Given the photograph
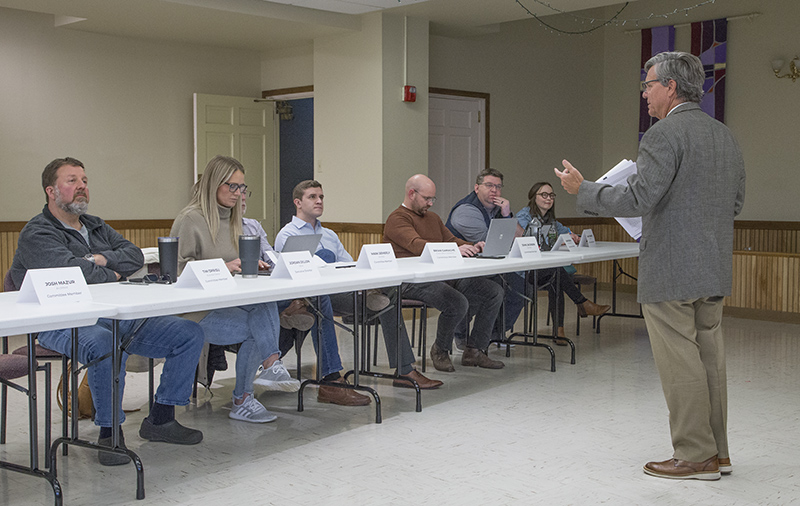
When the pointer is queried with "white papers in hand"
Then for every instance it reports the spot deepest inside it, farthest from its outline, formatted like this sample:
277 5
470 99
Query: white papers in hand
617 176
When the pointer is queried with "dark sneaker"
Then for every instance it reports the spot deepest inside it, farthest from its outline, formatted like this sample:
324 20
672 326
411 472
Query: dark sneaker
112 459
170 432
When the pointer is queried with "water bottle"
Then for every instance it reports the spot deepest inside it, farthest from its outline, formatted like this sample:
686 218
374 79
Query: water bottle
533 227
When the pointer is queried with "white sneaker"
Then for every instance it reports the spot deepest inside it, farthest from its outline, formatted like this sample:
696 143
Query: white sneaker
276 377
250 410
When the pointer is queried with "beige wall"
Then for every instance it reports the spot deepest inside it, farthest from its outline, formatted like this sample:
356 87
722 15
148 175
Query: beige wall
367 142
348 147
122 106
287 68
544 105
405 124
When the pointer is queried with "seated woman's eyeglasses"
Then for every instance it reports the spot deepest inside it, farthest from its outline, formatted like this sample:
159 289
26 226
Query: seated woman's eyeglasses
546 195
233 187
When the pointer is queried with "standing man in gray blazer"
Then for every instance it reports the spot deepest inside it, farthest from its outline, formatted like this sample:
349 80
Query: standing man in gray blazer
689 186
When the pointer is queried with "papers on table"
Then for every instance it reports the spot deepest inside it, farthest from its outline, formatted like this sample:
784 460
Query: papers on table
618 175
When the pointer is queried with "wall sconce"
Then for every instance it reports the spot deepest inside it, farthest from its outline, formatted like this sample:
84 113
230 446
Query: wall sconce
794 74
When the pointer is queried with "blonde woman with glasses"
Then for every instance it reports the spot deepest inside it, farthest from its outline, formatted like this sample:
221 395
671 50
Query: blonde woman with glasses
209 227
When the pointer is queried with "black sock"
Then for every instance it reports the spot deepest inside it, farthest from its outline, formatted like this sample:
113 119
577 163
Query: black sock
332 376
161 414
105 432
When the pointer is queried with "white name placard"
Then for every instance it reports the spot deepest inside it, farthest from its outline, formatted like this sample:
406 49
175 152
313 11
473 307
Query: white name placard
206 274
525 248
566 241
442 253
296 265
54 286
587 239
376 256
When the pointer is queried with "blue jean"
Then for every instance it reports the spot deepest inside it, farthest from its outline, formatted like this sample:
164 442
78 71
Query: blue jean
255 326
331 361
179 341
459 300
392 336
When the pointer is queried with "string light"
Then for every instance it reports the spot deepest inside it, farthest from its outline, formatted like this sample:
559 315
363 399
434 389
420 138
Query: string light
615 20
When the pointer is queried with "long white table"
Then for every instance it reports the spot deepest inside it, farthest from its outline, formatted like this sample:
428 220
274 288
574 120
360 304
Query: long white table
125 302
31 318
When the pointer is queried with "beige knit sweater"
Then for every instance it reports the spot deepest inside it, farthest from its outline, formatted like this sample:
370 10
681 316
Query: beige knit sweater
194 242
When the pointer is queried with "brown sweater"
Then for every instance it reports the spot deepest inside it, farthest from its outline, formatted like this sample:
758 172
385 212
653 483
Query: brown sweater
408 232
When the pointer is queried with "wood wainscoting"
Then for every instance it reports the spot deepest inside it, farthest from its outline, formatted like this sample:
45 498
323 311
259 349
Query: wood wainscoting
766 258
143 233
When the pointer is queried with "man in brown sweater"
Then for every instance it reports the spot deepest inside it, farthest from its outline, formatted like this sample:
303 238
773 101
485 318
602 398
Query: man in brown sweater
408 229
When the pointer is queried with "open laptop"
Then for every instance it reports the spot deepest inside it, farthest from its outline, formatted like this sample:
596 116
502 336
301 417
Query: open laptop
499 238
302 243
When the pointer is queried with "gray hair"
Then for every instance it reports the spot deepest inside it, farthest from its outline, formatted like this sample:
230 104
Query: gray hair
683 68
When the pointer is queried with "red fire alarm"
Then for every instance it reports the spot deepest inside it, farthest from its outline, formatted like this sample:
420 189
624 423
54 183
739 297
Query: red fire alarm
409 93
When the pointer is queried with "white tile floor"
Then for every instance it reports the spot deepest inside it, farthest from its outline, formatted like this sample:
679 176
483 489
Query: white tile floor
516 436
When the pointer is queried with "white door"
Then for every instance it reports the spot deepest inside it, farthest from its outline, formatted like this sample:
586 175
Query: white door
456 147
245 129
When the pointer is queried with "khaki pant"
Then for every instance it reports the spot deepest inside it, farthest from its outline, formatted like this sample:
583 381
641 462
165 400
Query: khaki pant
686 337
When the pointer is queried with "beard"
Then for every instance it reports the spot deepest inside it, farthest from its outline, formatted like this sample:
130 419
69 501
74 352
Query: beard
78 208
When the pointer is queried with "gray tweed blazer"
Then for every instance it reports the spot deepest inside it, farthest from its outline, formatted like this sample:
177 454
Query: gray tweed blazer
689 186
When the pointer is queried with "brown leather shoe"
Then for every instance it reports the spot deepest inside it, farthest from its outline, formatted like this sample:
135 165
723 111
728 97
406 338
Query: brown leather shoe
725 466
589 308
423 382
441 359
341 396
684 470
296 316
477 358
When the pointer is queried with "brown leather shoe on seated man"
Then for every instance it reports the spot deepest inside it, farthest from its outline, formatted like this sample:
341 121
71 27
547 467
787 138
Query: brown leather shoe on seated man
423 382
589 308
341 396
441 359
478 358
684 470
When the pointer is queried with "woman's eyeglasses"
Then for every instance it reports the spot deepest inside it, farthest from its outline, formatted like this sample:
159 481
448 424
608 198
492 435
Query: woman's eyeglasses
234 187
546 195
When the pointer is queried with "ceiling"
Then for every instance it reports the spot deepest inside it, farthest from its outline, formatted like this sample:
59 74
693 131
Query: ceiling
261 25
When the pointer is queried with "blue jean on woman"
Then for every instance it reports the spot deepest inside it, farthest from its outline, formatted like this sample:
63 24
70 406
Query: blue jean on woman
179 341
256 327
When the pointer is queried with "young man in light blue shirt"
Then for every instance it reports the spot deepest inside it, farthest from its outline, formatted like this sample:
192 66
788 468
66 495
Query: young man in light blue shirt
308 200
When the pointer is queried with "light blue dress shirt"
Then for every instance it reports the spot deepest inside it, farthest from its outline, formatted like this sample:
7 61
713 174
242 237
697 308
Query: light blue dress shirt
330 241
